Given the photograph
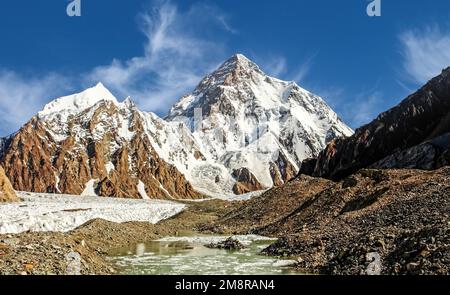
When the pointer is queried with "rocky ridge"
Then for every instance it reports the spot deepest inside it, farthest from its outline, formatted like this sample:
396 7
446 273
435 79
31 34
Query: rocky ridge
422 117
358 214
90 144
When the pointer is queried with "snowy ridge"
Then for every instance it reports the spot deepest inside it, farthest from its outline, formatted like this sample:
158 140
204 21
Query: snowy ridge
258 119
175 143
95 115
76 103
247 120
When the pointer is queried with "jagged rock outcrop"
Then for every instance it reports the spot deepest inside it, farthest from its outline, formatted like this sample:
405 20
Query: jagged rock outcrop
91 144
429 155
421 117
245 182
228 244
7 193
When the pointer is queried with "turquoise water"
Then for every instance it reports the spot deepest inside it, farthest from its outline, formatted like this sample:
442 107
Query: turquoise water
189 256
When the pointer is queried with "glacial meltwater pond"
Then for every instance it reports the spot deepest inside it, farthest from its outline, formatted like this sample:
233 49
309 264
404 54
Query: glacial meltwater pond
189 256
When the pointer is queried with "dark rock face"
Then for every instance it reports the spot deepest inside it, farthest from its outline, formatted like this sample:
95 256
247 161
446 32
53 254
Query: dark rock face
429 155
420 117
307 167
245 182
273 205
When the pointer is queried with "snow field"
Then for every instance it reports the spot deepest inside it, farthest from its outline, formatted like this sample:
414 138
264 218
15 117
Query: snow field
62 213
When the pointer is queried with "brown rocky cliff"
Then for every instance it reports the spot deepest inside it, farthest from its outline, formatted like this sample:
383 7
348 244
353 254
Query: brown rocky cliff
35 161
7 193
245 182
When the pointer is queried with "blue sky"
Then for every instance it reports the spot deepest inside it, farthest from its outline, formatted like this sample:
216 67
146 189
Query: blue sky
156 51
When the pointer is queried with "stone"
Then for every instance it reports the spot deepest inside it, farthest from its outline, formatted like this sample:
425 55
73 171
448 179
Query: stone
349 182
245 182
412 266
7 193
229 244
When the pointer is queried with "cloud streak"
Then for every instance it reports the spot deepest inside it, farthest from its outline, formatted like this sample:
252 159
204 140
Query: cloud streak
426 52
175 58
278 66
275 66
365 108
303 70
22 97
179 50
356 109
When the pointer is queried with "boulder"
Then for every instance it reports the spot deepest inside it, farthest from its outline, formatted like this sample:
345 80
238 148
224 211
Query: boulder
229 244
7 193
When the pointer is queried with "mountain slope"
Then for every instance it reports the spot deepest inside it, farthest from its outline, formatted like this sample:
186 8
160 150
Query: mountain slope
7 193
337 227
240 131
89 143
243 118
422 116
399 216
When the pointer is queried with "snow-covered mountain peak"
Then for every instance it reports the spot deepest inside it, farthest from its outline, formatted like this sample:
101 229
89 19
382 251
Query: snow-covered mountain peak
245 119
241 57
129 103
239 60
76 103
237 68
240 130
237 73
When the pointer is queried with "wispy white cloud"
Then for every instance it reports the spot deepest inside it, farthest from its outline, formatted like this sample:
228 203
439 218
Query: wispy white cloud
274 66
303 70
174 60
278 66
365 108
426 52
179 50
354 109
224 22
22 97
406 87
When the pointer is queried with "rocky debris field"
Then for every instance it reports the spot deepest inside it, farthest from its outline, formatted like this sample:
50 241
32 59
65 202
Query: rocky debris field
375 221
47 253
